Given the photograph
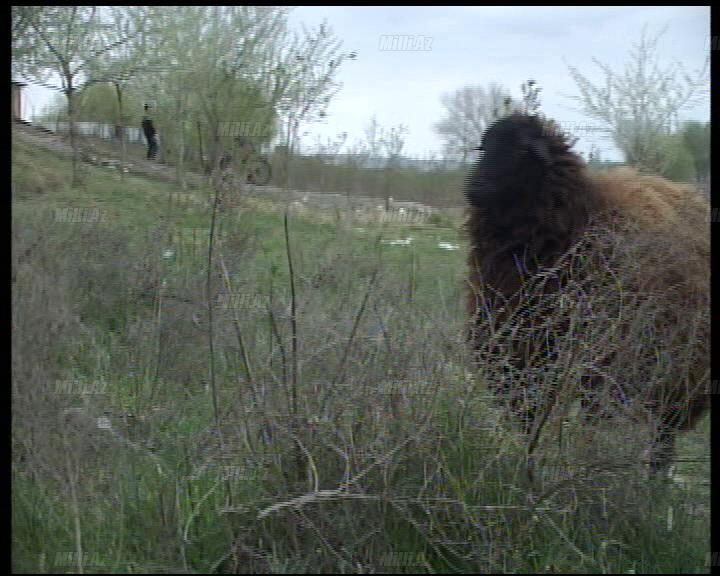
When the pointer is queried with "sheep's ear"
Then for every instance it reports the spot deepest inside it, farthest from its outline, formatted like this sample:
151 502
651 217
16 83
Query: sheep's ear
540 150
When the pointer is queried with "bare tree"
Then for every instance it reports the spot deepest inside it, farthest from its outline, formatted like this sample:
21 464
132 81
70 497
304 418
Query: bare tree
308 72
469 111
642 102
393 142
63 41
531 97
22 18
373 137
594 155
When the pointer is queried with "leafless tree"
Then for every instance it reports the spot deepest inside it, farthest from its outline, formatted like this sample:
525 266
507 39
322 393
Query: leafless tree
531 96
642 102
393 142
469 111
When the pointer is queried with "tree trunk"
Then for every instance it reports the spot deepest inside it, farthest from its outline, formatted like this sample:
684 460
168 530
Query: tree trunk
121 124
289 145
179 166
69 93
203 163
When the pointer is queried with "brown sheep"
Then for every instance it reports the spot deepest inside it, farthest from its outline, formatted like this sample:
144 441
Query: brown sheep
544 230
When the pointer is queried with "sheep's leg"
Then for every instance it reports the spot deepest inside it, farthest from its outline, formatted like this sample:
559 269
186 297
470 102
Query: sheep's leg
540 413
590 404
596 402
662 451
521 394
675 416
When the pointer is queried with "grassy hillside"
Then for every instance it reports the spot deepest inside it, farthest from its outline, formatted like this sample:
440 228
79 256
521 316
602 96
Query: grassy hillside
349 436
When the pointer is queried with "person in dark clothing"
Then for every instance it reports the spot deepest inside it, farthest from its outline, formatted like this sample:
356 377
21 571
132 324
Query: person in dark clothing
150 134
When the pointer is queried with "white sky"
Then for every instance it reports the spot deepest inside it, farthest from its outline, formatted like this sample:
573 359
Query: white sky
480 45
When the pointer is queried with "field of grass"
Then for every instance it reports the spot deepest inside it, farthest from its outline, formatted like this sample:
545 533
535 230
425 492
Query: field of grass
319 416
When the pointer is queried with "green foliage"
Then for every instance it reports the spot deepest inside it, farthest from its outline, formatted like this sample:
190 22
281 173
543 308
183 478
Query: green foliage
674 160
99 103
440 478
696 137
212 73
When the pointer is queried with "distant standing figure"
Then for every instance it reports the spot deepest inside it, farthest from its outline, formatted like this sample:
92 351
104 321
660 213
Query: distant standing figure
150 134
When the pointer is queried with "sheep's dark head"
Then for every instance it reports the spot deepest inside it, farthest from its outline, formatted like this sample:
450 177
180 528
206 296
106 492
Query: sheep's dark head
516 153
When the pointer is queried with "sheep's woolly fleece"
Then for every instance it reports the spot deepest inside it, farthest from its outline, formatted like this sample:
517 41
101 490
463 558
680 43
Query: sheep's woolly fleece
533 201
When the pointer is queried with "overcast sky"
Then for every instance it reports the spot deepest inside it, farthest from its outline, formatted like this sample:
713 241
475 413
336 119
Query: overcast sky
481 45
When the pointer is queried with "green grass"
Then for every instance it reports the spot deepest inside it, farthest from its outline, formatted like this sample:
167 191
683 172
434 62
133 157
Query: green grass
440 482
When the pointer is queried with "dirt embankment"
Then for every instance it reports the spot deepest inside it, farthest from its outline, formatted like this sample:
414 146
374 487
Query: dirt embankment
105 153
